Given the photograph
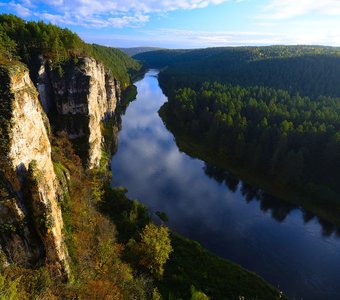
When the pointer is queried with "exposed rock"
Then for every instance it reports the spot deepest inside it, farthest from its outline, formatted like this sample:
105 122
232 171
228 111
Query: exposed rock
29 184
85 95
45 89
31 187
19 243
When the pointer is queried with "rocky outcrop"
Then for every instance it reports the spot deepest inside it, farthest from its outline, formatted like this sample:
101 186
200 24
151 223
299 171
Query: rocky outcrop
31 187
82 97
30 217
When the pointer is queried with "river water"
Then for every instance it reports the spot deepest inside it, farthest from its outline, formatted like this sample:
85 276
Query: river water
288 247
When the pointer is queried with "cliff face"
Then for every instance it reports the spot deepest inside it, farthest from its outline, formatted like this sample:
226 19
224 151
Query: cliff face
81 98
77 101
29 208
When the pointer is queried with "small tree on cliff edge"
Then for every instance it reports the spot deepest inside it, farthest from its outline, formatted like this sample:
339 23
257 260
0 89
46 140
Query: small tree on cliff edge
155 248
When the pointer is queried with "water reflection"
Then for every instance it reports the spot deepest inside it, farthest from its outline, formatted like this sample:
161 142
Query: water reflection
275 239
279 209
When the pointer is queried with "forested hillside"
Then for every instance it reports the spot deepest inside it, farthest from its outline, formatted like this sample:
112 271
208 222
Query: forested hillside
116 60
309 70
137 50
273 110
26 41
292 139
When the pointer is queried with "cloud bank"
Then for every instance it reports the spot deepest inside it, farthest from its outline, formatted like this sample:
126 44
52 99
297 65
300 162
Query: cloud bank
285 9
103 13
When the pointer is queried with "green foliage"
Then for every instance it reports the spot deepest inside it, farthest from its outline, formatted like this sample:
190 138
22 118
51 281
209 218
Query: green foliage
63 155
27 41
161 58
37 38
62 175
156 295
188 263
98 271
3 260
279 129
290 138
191 265
309 70
118 62
129 95
98 268
40 282
155 248
7 228
9 288
129 216
7 46
198 295
162 215
24 284
6 111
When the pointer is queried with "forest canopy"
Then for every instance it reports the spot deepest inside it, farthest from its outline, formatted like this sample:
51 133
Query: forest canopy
309 70
290 138
26 41
273 109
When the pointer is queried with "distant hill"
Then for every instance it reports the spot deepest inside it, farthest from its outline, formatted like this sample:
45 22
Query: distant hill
309 70
138 50
229 55
274 110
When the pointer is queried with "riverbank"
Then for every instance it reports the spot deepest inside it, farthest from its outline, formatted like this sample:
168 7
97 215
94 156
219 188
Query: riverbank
215 276
189 263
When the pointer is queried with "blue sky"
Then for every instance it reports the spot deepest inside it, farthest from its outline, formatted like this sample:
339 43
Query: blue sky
189 23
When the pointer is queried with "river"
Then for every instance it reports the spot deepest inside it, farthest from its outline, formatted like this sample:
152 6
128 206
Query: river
288 247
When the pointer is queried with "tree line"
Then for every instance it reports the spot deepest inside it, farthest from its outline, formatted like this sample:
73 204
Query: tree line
26 41
309 70
294 140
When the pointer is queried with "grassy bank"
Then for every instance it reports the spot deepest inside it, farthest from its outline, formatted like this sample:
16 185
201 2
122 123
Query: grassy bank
189 265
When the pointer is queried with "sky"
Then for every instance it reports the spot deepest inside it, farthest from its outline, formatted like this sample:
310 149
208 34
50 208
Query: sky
189 23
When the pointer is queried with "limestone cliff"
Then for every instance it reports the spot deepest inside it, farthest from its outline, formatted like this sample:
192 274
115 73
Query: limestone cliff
30 217
81 98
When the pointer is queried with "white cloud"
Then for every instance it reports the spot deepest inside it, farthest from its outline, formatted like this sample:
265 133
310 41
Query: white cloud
285 9
104 13
20 9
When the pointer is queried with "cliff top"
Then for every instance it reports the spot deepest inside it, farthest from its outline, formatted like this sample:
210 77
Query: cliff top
26 41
